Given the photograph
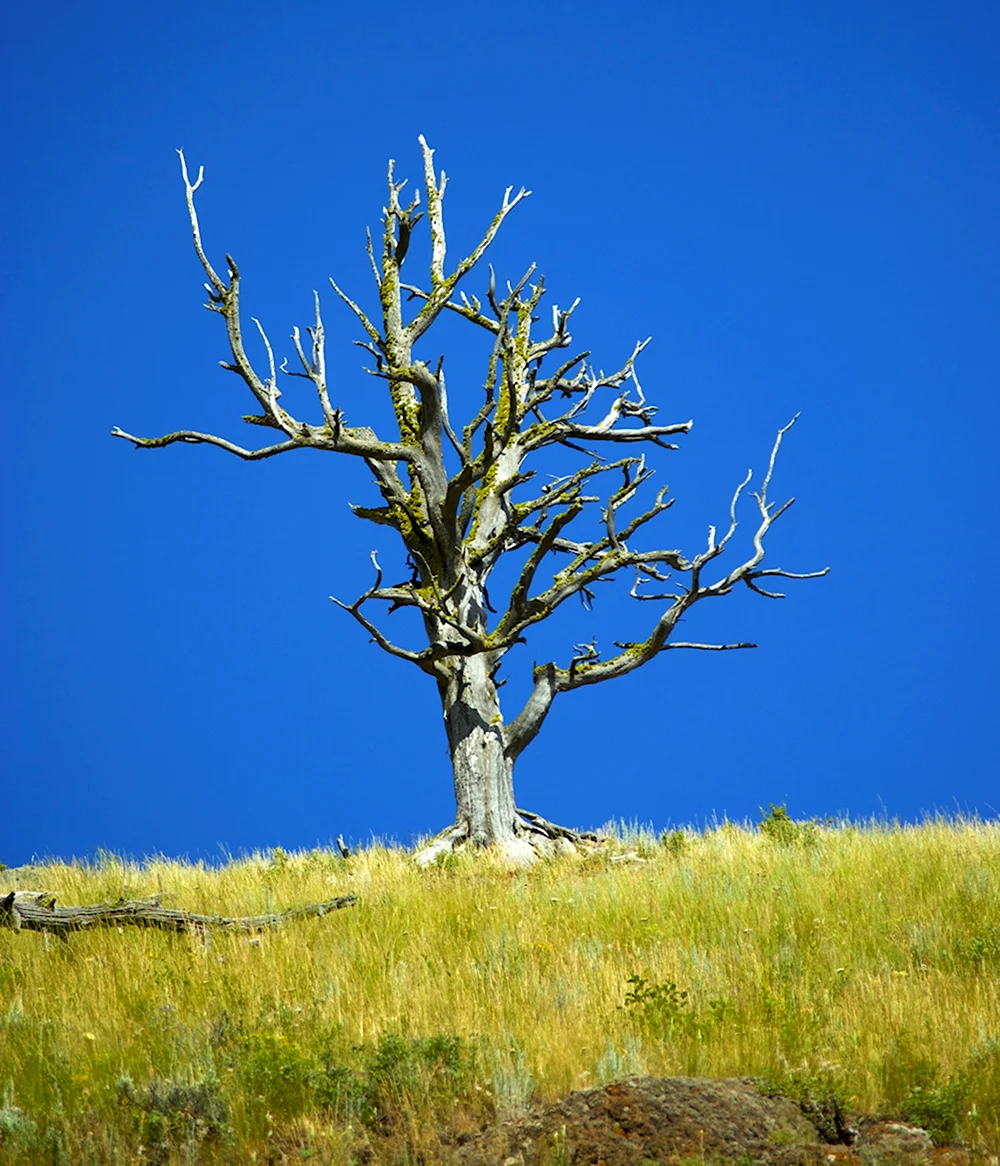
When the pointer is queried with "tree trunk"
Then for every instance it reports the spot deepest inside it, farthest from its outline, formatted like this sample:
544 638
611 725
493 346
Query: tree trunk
485 810
486 813
484 784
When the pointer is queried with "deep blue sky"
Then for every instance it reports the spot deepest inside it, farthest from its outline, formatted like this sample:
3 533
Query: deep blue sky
797 200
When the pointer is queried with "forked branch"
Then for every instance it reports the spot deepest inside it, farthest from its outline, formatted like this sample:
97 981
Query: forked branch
588 668
332 434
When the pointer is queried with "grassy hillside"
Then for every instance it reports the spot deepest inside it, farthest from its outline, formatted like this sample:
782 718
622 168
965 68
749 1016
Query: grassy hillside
858 961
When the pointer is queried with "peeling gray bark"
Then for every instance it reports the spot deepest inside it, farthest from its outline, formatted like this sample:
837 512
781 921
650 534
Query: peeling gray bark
484 776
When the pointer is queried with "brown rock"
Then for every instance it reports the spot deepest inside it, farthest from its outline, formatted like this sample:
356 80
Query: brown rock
644 1119
903 1145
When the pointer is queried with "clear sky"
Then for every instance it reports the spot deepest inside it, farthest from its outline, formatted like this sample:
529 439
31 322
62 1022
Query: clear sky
799 203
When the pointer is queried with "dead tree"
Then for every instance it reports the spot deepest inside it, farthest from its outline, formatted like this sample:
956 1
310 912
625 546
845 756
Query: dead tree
459 497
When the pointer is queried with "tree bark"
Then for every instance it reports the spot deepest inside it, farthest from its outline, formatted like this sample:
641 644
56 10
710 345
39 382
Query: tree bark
483 771
484 784
37 911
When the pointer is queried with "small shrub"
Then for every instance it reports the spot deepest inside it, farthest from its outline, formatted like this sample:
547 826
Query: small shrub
664 997
721 1009
17 1130
447 860
277 1073
674 842
224 1031
511 1082
820 1096
981 950
662 1006
666 1009
785 831
344 1093
938 1111
782 1138
398 1074
402 1069
167 1114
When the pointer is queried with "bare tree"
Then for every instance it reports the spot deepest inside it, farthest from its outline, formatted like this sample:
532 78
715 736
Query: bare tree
461 501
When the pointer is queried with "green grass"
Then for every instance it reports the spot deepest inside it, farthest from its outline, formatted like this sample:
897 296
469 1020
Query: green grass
858 964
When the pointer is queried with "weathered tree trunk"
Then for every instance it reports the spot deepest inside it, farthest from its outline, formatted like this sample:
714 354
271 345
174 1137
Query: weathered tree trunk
483 771
484 786
37 911
482 760
485 812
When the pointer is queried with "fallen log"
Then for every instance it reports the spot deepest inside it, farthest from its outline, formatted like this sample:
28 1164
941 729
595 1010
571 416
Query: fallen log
37 911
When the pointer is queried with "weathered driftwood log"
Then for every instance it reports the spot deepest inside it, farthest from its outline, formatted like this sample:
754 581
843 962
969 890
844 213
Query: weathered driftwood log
37 911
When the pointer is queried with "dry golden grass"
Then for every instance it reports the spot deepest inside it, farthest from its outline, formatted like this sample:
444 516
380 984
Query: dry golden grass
861 960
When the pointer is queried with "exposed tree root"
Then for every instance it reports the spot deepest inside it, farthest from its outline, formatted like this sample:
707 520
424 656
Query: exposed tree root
532 837
542 826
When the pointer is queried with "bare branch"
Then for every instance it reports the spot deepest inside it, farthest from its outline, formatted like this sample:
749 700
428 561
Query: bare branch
774 453
587 668
224 299
371 257
707 647
189 189
770 512
385 644
588 382
470 310
624 494
446 421
645 575
792 574
560 337
442 286
565 491
360 442
315 365
190 437
606 431
369 327
272 382
750 580
435 197
732 509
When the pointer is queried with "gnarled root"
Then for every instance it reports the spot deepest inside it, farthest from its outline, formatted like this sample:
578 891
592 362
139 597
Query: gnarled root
444 843
532 837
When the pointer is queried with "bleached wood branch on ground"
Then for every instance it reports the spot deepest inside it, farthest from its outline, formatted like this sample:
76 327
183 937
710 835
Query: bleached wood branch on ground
37 911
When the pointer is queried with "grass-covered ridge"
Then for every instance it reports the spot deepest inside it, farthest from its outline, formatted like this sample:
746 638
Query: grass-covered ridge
858 960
